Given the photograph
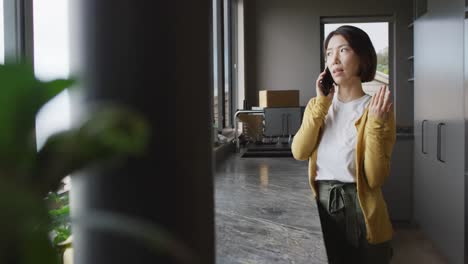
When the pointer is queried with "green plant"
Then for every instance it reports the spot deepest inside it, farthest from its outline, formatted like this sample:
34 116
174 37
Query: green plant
59 212
27 176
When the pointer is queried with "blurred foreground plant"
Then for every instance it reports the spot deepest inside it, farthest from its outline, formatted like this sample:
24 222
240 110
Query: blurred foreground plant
27 176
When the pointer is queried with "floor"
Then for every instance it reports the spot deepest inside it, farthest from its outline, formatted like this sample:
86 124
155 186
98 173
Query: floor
411 246
265 213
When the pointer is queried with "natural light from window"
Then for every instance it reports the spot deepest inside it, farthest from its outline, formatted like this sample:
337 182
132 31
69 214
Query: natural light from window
51 53
2 38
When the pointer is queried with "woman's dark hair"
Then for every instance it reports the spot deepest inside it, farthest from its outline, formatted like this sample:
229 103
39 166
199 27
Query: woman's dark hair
362 45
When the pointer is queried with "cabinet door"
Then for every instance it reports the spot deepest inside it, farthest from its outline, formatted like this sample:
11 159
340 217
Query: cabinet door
282 121
465 47
438 92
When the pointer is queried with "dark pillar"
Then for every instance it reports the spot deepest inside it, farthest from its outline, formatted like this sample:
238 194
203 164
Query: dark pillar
153 56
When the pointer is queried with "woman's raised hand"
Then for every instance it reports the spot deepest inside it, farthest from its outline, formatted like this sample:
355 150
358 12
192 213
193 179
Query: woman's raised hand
381 103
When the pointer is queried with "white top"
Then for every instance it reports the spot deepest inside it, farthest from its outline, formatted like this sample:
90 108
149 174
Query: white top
336 157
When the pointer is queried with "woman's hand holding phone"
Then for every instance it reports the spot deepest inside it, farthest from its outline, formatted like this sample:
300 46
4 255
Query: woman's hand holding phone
325 82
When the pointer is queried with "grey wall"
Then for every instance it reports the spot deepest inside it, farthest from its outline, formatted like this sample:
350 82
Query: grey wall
282 45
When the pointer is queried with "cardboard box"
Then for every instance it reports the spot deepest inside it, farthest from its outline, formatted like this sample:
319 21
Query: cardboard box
278 98
252 126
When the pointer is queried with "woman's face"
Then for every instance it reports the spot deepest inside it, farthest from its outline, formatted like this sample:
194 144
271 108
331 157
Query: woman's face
342 61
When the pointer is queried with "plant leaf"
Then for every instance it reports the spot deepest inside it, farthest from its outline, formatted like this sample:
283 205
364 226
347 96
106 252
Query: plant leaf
53 88
21 98
110 133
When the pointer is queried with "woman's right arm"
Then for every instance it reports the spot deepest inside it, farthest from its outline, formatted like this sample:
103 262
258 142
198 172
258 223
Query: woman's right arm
306 138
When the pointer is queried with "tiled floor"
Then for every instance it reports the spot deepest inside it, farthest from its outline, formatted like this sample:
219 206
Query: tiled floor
265 213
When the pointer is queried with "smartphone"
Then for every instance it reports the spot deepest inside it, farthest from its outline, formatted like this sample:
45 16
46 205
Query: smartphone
327 82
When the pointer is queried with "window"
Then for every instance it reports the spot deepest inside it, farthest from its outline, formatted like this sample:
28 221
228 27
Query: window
227 56
378 33
50 22
216 72
223 66
2 35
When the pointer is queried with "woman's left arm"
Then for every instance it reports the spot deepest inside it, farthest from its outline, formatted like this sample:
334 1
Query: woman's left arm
380 138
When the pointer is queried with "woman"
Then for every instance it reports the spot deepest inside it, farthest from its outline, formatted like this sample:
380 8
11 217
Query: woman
348 137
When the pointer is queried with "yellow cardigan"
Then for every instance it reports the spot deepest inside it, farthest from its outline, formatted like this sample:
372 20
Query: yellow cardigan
375 140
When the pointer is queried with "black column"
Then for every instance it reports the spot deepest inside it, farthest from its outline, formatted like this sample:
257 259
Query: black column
155 58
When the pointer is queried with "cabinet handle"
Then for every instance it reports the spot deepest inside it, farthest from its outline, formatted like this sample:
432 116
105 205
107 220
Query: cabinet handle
439 142
422 137
284 123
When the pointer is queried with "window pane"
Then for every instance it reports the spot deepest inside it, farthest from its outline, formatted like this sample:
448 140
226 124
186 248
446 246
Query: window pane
227 62
51 62
2 35
215 65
